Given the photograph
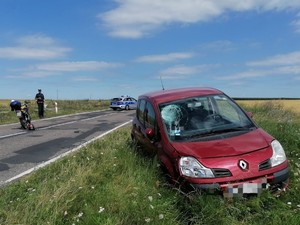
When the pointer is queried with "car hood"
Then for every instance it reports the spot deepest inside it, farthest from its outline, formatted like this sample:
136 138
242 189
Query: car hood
238 145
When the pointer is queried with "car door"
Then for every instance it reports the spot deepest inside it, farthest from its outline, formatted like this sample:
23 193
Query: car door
147 119
133 103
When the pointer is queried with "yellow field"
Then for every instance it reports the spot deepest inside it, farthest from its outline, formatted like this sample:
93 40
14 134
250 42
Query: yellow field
4 102
293 105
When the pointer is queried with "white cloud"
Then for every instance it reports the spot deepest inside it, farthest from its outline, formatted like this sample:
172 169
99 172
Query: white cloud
218 46
137 18
182 71
247 74
283 59
288 64
76 66
59 68
296 23
84 79
36 40
37 47
165 58
32 53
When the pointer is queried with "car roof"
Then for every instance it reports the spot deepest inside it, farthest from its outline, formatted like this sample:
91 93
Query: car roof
174 94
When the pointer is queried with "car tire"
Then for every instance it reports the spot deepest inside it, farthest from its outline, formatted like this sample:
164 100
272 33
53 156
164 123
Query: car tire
127 107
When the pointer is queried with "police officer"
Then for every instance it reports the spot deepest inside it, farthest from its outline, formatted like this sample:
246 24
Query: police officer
39 97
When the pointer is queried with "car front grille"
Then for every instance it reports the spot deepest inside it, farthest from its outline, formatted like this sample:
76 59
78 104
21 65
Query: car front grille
221 172
265 165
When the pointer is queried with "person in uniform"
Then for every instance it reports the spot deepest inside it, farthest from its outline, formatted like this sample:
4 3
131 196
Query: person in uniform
39 97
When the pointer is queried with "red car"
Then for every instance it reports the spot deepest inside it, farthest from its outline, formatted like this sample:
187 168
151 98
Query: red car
203 138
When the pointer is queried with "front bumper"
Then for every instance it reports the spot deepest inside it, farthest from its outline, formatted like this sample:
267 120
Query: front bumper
275 182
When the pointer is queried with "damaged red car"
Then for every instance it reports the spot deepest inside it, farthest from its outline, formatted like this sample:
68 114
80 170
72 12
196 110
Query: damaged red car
202 137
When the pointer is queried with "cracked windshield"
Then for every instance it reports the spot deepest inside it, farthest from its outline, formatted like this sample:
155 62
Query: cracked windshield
198 117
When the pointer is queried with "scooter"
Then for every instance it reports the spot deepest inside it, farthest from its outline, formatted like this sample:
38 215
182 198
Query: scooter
25 118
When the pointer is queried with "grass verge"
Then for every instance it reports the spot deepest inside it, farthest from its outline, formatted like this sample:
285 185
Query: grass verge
64 107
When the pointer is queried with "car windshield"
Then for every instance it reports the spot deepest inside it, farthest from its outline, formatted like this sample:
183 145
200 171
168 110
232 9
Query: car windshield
191 119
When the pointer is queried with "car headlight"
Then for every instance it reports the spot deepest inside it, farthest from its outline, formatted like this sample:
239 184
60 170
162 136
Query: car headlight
191 167
278 156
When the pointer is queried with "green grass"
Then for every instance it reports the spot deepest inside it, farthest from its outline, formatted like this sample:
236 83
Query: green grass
109 183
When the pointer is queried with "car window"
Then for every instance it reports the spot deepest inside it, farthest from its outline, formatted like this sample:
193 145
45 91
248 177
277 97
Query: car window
140 110
149 116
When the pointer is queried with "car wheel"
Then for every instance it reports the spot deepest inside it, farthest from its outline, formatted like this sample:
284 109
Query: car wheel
135 144
127 107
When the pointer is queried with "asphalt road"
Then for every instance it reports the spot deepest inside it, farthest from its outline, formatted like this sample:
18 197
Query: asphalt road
22 151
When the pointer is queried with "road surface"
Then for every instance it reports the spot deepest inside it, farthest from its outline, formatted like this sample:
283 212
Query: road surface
22 151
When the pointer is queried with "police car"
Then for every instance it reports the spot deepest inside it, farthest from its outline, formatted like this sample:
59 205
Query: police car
124 102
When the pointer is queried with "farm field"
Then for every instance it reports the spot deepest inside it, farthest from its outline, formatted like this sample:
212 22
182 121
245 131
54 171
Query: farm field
292 105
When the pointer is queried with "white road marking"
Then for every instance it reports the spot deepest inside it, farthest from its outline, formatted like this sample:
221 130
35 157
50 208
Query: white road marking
11 135
62 155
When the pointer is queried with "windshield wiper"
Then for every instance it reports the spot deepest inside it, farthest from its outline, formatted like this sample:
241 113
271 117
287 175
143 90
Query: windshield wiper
232 129
221 131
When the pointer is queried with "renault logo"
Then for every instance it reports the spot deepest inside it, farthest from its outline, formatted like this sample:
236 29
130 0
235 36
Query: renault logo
243 164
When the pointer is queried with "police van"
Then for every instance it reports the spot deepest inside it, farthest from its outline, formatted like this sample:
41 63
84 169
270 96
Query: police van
124 102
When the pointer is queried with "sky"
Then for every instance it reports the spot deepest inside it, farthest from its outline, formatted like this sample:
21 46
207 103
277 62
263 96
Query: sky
100 49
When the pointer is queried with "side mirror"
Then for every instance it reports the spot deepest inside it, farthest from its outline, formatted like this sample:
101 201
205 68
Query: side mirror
149 133
250 114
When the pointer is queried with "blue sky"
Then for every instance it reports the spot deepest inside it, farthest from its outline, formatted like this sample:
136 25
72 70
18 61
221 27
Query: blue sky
100 49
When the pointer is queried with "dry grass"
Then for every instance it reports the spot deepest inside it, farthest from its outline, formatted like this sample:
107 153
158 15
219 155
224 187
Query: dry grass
293 105
4 102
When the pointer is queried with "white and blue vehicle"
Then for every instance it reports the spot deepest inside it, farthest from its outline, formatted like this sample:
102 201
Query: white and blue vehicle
124 102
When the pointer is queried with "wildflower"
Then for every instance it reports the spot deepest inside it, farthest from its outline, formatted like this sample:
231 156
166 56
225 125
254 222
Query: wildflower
93 187
31 189
298 206
151 206
147 220
289 203
101 209
150 198
65 213
160 216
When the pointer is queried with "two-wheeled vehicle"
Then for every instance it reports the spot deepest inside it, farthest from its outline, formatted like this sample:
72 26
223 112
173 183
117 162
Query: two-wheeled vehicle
24 117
